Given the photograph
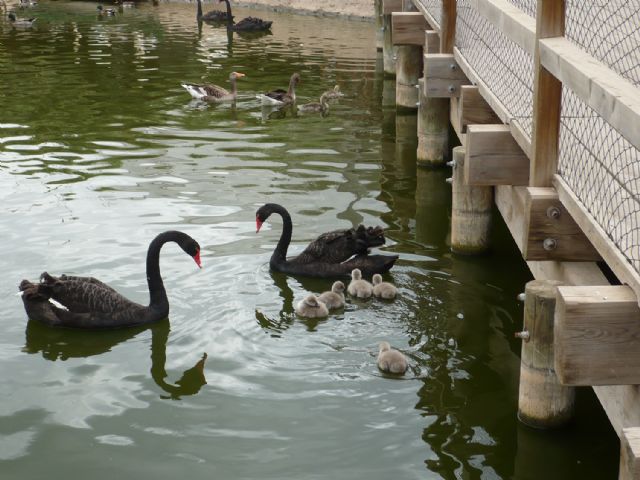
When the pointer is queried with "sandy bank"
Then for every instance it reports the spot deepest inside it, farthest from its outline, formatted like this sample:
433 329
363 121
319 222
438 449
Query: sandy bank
357 9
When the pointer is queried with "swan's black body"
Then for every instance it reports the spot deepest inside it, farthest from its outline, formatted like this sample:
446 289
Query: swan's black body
89 303
248 24
332 254
213 16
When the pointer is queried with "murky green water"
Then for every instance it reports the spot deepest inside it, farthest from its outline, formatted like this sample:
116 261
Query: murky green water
101 149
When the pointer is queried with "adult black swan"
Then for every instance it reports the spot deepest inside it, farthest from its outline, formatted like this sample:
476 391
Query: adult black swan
332 254
248 24
89 303
213 16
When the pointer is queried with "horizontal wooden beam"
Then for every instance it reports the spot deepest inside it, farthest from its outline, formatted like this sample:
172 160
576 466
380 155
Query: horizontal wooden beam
443 76
474 109
550 233
390 6
433 22
408 28
609 251
519 27
610 95
493 157
630 454
597 336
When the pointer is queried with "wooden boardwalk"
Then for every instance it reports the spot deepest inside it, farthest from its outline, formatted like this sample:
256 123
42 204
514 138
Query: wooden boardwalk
545 99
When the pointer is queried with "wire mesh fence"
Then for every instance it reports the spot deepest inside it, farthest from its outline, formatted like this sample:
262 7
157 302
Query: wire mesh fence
528 6
434 7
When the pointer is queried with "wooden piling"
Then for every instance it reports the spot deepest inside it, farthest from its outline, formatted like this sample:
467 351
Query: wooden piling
388 49
433 129
630 454
471 208
377 8
542 402
408 71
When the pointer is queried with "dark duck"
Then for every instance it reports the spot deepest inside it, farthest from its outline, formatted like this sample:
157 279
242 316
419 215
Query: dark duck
332 254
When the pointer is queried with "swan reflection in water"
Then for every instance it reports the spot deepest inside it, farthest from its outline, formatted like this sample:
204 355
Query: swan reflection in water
62 344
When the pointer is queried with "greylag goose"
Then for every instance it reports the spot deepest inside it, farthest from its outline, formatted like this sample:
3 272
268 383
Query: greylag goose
334 94
383 289
334 298
20 22
358 287
214 93
332 254
314 107
311 307
108 12
279 96
390 360
89 303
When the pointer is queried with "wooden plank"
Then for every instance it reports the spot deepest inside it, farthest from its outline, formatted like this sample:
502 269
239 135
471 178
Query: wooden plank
448 26
434 23
630 454
443 76
598 237
609 94
474 109
390 6
408 28
431 41
546 219
547 97
494 158
454 118
510 20
510 202
597 335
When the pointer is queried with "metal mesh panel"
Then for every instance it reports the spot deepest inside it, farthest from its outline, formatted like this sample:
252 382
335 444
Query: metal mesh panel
603 170
434 7
608 30
528 6
501 64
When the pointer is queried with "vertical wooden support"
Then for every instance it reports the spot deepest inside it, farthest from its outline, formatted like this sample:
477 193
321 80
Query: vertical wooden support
408 71
470 211
388 49
547 99
630 454
377 9
448 26
542 401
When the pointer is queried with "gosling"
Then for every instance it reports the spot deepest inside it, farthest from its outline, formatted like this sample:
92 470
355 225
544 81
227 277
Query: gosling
358 287
334 298
383 289
311 307
390 360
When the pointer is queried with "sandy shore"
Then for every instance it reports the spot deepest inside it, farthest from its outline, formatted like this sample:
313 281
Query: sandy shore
357 9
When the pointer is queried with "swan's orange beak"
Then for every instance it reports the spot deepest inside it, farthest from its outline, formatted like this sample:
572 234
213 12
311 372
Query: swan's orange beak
196 258
258 224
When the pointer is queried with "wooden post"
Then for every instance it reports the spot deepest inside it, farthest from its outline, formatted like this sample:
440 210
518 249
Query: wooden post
433 117
547 99
470 211
630 454
448 26
542 402
377 8
388 49
408 71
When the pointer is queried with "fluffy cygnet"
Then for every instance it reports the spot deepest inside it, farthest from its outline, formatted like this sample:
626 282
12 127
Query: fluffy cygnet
358 287
383 289
335 298
311 307
390 360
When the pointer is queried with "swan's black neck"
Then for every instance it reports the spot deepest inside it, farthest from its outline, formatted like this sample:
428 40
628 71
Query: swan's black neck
157 293
199 16
280 253
229 17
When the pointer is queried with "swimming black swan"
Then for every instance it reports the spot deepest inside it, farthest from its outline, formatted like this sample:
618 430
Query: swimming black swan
358 287
311 307
334 298
390 360
248 24
213 15
89 303
383 289
330 254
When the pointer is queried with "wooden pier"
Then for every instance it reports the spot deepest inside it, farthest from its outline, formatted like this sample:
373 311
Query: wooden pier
549 123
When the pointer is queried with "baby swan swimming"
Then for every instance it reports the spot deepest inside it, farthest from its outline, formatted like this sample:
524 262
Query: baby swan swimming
383 289
334 298
390 360
311 307
358 287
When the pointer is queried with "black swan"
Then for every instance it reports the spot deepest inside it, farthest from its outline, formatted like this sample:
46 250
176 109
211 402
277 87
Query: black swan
390 360
213 15
89 303
248 24
334 298
311 307
214 93
358 287
383 289
330 255
279 96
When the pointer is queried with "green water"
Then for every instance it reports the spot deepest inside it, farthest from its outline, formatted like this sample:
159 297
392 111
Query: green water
101 149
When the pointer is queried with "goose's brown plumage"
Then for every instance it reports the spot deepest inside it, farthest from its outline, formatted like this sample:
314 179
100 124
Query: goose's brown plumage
332 254
214 93
282 97
89 303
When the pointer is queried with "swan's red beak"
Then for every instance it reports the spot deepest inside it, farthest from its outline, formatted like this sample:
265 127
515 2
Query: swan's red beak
258 224
196 258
